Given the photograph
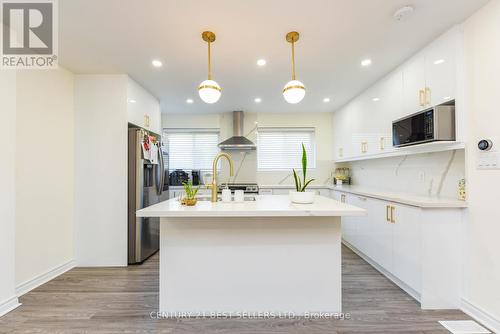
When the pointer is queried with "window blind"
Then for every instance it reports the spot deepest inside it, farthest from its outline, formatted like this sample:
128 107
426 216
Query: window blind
281 148
191 148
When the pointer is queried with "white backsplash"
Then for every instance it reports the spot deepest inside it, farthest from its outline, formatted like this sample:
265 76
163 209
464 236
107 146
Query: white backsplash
435 174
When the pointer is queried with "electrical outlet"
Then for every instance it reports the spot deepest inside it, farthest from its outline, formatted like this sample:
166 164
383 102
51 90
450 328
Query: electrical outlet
421 177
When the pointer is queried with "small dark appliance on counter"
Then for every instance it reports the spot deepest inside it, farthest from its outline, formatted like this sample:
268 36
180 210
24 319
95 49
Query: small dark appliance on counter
195 177
178 177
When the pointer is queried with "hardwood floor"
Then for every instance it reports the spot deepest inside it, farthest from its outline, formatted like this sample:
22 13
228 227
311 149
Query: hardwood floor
119 300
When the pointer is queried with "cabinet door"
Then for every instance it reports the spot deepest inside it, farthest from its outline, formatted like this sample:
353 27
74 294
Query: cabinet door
348 223
413 84
441 69
381 235
406 245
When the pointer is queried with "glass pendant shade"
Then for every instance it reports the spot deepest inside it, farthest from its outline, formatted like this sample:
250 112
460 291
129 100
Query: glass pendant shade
209 91
294 91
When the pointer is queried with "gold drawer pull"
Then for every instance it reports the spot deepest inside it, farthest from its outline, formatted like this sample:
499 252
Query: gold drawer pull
392 214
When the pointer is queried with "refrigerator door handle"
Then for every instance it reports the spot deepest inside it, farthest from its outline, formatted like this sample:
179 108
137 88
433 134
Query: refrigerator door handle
162 172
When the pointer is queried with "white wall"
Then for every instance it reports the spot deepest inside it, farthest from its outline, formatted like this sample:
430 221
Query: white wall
140 104
101 170
8 297
322 122
441 172
482 234
44 172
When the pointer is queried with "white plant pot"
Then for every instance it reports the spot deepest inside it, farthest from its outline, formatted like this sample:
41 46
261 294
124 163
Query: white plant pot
302 197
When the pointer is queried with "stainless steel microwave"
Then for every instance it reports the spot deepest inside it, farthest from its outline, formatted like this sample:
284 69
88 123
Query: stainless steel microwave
434 124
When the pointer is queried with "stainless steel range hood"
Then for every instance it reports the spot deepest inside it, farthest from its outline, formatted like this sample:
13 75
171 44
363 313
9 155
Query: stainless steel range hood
238 141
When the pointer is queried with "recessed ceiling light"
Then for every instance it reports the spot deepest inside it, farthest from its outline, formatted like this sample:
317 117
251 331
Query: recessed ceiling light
261 62
376 99
326 99
366 62
190 101
447 98
157 63
439 61
258 100
132 101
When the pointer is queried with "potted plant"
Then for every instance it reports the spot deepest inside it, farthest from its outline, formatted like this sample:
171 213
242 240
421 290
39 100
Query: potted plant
190 198
300 195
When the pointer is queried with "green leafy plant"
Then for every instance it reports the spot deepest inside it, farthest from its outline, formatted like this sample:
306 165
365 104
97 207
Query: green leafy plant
301 185
190 190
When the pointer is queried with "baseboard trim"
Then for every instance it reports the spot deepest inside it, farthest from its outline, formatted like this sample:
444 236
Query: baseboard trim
35 282
413 293
8 305
481 316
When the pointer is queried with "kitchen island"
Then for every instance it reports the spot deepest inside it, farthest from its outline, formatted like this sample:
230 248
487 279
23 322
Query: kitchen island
262 255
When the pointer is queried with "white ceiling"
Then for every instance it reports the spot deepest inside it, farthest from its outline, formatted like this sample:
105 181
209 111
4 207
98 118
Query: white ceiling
123 36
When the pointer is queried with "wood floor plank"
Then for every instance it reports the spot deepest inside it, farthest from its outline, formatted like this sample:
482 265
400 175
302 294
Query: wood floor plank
119 300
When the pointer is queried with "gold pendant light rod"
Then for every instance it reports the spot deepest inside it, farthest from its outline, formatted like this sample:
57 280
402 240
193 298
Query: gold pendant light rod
209 37
292 37
209 64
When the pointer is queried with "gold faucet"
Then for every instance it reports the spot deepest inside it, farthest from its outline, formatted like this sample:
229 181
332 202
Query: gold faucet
214 173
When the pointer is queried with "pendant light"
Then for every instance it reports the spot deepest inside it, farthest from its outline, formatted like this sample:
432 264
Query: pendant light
209 90
294 90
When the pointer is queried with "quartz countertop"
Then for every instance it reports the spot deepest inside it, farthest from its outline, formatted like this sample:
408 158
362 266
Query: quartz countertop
402 198
263 206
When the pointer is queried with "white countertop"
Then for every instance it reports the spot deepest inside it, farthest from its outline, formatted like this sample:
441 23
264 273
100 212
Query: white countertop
402 198
264 206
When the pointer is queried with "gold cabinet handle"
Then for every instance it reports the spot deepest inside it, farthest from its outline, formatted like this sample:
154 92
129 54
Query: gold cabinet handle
427 96
387 213
392 214
421 97
364 147
382 143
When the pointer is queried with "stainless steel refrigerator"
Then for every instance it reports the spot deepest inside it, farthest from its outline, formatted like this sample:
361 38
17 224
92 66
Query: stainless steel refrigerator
145 187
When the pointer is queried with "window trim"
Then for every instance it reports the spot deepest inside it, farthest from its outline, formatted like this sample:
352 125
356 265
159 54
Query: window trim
310 129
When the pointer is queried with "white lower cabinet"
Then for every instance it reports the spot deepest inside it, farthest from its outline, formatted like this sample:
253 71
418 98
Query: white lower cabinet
406 245
418 248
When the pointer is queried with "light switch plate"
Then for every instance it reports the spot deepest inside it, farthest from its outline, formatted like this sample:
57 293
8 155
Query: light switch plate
488 160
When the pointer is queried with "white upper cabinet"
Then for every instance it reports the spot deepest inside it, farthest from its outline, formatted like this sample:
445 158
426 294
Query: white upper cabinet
414 85
363 128
441 69
430 77
143 108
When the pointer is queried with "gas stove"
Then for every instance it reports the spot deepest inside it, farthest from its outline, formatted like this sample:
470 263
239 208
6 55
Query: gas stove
248 188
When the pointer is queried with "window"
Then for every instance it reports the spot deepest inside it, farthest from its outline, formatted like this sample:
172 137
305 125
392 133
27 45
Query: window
190 149
281 148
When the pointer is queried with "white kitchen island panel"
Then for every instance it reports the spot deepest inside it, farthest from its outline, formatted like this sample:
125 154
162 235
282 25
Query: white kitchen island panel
280 265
